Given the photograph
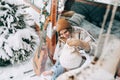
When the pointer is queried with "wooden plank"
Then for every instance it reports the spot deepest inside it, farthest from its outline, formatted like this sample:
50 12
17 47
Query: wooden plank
51 42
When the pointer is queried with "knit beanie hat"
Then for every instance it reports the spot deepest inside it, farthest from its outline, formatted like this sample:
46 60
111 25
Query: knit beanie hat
70 58
62 24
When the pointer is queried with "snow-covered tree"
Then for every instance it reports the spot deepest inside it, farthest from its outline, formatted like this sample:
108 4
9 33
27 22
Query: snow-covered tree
18 38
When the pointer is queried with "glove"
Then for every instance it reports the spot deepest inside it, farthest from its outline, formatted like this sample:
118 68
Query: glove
77 42
62 39
74 42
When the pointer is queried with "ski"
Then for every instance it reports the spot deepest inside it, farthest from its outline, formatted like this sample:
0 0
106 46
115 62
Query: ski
51 39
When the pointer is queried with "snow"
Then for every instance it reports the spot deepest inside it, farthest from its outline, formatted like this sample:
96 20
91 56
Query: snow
4 56
17 72
90 72
17 2
21 71
94 73
8 50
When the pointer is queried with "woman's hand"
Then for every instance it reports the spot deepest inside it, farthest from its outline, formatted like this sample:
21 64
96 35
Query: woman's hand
45 73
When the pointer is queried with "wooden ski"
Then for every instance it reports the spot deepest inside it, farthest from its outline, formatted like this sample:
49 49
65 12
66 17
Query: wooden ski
51 41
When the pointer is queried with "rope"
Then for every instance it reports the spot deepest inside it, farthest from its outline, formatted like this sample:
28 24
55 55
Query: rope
97 55
111 23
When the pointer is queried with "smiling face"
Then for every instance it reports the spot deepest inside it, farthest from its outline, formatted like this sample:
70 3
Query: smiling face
64 33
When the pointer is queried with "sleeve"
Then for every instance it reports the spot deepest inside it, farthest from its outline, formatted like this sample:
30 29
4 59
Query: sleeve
57 70
90 39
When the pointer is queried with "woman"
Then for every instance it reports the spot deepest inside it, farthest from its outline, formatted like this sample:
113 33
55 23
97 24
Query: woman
73 36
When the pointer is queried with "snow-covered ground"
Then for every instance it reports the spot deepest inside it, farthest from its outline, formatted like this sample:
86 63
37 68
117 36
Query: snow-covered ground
18 72
22 71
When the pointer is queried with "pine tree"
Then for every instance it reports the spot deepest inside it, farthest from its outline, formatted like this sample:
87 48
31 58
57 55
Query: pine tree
18 38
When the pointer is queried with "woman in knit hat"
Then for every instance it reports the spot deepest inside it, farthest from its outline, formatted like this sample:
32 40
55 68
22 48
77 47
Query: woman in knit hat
80 36
73 36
